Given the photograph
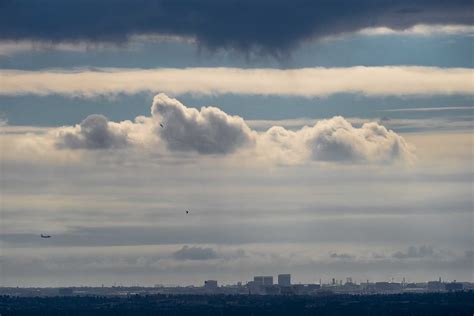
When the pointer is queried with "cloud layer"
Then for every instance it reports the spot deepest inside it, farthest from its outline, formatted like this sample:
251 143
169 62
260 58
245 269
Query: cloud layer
230 263
273 27
212 131
308 82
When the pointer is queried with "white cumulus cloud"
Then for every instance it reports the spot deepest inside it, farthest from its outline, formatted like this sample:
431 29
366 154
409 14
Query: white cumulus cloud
336 140
174 128
208 131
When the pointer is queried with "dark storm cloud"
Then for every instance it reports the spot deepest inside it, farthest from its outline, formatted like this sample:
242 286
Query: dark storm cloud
271 26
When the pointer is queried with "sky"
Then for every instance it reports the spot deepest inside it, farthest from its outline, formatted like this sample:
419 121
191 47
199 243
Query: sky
326 139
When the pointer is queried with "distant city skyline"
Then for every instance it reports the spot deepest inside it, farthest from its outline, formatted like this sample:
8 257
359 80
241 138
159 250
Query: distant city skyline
260 285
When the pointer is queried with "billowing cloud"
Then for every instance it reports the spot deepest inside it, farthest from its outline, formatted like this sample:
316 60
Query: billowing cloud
272 27
94 132
175 128
195 253
336 140
208 131
307 82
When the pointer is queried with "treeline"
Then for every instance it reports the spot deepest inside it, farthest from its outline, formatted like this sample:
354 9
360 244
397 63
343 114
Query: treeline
460 303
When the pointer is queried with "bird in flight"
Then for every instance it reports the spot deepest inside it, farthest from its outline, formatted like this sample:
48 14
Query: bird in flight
187 212
45 236
162 126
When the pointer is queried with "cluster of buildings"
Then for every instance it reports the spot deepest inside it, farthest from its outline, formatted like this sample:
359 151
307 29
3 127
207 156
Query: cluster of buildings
264 285
259 285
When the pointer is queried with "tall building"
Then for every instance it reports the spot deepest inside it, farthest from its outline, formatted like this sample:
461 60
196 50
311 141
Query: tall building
284 279
258 280
263 280
267 280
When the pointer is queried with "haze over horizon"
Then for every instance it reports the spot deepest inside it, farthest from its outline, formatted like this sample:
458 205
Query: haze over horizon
322 140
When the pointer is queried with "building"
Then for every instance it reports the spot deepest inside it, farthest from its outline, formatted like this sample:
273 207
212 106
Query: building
210 284
305 289
388 286
272 290
435 286
263 280
65 291
454 286
255 287
258 280
267 280
284 279
287 290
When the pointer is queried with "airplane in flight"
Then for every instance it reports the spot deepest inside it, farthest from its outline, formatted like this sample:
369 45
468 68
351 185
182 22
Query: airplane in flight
45 236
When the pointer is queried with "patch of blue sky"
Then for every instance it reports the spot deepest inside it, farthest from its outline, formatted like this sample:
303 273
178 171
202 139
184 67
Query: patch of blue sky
55 110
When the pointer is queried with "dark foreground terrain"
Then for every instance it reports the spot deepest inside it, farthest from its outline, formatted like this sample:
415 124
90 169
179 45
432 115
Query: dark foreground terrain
461 303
